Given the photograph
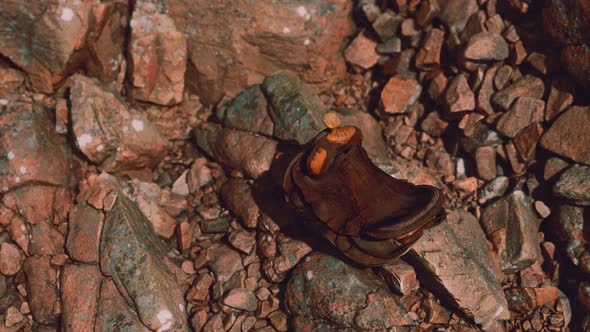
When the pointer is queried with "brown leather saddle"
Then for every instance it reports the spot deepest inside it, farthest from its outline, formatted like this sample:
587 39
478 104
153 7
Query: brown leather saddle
368 215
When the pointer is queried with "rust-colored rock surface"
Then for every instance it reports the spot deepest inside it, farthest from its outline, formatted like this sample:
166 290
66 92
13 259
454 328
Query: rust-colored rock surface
304 38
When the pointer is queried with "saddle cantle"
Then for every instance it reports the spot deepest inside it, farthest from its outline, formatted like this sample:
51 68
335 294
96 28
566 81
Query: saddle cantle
368 215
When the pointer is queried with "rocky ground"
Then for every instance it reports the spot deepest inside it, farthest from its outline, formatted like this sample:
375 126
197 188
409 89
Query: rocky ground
141 143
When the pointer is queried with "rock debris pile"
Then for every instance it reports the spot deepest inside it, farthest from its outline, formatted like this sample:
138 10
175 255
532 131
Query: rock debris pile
140 147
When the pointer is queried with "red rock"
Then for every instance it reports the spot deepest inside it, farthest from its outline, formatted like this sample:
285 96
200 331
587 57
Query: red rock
502 76
84 232
459 97
242 240
512 155
485 157
158 56
428 56
10 77
242 299
237 196
199 319
19 233
42 289
80 290
554 166
526 86
225 262
47 41
517 53
540 62
148 197
526 141
34 203
236 149
486 91
128 140
475 24
13 317
106 41
10 259
524 300
433 125
428 10
565 135
46 240
408 27
198 293
560 97
278 319
302 38
437 86
399 94
61 116
522 113
400 276
29 145
486 46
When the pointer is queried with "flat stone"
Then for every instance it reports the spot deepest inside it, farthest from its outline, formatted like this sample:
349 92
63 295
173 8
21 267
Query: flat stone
295 108
242 240
361 52
248 111
523 112
80 291
132 254
113 312
41 289
486 46
225 261
85 227
10 259
569 134
455 256
459 97
249 153
502 76
325 289
526 86
157 56
399 94
242 299
574 185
